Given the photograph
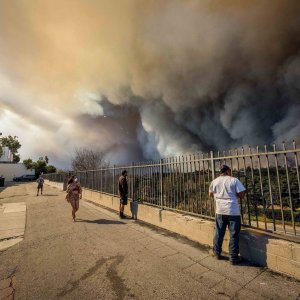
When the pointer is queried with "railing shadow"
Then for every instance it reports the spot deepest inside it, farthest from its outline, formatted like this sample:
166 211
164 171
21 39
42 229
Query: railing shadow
100 221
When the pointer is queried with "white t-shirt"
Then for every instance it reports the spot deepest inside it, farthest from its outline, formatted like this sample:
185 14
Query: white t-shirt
225 189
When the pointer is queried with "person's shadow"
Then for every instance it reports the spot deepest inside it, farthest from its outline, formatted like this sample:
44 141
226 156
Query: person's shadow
100 221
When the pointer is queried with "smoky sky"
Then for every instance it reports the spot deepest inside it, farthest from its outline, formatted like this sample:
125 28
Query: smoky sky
143 79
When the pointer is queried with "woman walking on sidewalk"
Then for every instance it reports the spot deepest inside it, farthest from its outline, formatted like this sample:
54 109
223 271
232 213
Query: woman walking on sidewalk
74 193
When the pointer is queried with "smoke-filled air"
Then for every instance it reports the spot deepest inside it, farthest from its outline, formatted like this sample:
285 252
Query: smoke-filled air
142 79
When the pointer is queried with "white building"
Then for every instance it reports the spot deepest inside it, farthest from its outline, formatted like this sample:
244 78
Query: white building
7 156
8 169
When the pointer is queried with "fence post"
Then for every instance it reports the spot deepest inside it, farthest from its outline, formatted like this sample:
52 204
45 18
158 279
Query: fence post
161 182
212 164
132 181
114 170
65 179
101 175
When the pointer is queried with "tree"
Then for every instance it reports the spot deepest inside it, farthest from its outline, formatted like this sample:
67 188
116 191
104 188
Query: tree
13 145
16 158
87 159
40 166
50 169
29 164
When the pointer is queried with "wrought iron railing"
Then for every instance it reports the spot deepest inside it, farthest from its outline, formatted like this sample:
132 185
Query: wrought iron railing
272 201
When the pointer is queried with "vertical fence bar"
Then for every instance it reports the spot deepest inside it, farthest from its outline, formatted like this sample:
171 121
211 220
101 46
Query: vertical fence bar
289 188
261 188
157 183
187 183
180 183
239 177
93 172
209 166
270 188
166 182
253 188
147 182
98 180
212 162
113 180
172 183
297 169
204 185
237 163
195 205
200 188
177 183
132 181
183 182
161 182
101 179
279 188
247 191
152 168
140 181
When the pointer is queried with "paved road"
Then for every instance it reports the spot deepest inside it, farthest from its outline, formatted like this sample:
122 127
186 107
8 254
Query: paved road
103 257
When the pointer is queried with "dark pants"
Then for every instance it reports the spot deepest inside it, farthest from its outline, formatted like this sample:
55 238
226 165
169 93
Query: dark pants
234 225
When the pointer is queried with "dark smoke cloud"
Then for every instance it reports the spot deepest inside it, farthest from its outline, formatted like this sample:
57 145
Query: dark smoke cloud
144 79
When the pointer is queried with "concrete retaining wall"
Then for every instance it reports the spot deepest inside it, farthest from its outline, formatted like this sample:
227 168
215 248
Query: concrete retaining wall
265 250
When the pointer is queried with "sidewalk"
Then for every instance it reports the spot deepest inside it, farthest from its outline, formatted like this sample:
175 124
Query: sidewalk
224 281
103 257
12 230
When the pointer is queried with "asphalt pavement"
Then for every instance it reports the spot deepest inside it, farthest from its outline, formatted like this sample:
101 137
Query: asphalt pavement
103 257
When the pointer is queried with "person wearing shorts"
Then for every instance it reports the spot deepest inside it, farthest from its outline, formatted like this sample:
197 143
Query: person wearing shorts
123 192
74 193
40 182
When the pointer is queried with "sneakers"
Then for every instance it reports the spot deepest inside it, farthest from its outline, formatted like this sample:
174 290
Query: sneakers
233 261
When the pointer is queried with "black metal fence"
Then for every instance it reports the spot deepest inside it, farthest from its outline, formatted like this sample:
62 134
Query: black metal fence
181 183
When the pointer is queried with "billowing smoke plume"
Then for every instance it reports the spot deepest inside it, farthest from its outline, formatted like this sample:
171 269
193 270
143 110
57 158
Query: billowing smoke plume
141 79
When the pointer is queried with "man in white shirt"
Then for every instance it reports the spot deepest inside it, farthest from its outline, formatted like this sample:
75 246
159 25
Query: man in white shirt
227 190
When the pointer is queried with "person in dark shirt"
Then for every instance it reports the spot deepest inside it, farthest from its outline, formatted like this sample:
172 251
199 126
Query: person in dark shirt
123 192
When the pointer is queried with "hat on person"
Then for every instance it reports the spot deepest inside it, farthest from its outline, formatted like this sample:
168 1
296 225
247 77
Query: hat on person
224 168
